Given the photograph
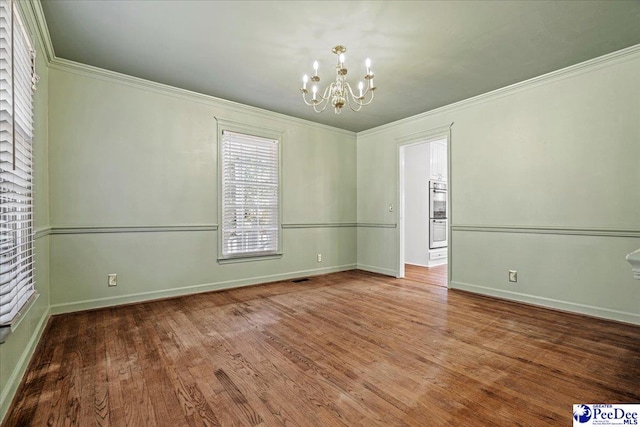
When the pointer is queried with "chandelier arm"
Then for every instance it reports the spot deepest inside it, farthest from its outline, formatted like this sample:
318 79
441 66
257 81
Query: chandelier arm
355 109
360 100
348 87
351 98
304 98
323 102
355 98
370 99
321 105
315 105
326 93
324 106
351 101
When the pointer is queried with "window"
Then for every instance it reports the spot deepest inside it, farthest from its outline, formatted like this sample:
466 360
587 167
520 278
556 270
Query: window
250 194
17 81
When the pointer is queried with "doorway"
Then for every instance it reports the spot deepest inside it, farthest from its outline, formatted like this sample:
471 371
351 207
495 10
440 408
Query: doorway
423 160
436 276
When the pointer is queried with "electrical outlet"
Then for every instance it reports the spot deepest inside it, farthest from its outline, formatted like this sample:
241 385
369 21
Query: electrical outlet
112 280
319 257
513 276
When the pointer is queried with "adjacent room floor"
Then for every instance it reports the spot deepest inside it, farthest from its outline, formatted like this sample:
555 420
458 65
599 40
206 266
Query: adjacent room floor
345 349
436 276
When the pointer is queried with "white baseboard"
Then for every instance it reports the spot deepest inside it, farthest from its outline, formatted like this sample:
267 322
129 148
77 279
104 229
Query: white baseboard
187 290
588 310
379 270
10 389
438 262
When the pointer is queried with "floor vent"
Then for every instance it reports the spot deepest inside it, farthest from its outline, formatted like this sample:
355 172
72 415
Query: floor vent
300 280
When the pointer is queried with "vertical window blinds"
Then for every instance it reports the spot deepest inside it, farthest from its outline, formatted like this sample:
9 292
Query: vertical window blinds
17 80
250 200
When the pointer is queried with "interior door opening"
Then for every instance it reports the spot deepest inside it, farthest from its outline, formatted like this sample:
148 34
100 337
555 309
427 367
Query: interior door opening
424 209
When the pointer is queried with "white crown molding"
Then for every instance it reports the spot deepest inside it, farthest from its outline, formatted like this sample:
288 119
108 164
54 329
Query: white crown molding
34 17
607 60
38 25
162 89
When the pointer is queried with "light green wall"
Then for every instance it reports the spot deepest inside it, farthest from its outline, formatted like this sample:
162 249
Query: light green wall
16 352
584 273
125 177
130 154
555 162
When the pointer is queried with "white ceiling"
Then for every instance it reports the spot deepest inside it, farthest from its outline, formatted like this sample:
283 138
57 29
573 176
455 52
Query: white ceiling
426 54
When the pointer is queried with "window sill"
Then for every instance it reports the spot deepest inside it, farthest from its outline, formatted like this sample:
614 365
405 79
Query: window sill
6 330
248 258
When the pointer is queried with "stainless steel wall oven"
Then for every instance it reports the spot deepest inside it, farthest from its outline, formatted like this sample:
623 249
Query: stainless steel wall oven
437 214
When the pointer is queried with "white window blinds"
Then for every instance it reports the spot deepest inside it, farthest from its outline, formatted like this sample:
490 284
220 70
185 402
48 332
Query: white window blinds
17 79
250 200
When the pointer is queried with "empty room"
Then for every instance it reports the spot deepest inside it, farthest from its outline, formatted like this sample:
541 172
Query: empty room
319 213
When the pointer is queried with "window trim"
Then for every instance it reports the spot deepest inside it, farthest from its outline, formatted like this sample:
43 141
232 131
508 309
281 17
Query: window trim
261 132
18 26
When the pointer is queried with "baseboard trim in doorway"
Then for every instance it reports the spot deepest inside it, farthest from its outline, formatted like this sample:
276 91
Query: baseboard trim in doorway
379 270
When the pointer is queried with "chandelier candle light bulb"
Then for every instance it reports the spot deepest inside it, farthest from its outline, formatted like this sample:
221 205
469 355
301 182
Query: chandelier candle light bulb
339 92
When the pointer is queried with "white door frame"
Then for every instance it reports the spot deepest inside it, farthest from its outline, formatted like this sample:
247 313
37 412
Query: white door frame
436 134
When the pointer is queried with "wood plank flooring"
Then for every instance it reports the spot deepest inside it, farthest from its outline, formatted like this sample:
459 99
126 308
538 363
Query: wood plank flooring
345 349
436 276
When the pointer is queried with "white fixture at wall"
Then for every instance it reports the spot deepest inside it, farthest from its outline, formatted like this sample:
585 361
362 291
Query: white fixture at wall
112 279
634 259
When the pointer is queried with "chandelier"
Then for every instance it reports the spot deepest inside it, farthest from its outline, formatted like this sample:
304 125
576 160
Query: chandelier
339 92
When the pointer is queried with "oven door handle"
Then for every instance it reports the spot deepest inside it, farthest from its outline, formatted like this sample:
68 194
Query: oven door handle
439 191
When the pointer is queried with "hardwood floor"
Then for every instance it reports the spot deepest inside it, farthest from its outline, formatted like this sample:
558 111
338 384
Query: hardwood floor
429 275
345 349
